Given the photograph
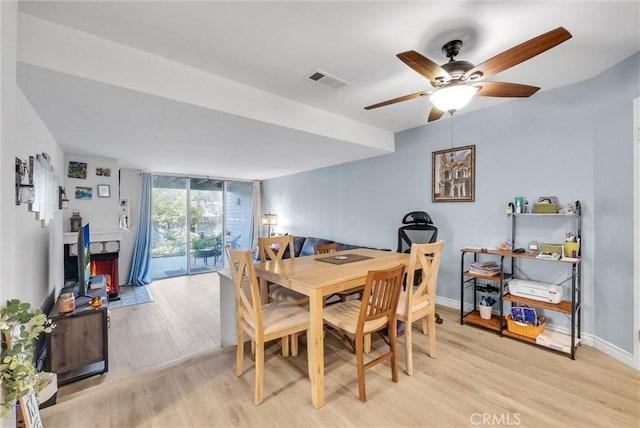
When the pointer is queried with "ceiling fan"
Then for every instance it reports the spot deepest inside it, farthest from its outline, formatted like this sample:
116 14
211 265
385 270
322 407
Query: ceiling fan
456 82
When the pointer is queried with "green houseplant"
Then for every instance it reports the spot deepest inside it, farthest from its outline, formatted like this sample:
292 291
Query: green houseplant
20 326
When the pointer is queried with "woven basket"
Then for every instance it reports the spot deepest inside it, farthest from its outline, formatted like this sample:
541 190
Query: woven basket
526 330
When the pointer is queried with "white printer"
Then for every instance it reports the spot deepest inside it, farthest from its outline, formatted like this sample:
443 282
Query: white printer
535 290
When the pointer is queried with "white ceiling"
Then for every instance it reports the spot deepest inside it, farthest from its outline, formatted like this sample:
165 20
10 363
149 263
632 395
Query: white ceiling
271 48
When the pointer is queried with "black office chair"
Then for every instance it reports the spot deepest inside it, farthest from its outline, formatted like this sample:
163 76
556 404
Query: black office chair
417 228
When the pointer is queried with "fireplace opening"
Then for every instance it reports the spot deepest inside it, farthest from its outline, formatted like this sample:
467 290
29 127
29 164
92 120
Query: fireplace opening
107 264
103 262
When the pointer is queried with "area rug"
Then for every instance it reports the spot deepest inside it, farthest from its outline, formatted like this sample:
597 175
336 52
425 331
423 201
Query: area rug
131 295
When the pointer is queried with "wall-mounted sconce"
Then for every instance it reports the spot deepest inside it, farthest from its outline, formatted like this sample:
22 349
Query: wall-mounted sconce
24 181
269 220
63 201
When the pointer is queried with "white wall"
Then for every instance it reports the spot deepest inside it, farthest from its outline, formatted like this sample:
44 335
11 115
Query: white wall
31 266
49 45
131 183
8 36
636 224
31 263
101 213
38 250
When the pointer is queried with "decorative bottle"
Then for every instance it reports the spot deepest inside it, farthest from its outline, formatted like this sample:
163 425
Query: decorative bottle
67 303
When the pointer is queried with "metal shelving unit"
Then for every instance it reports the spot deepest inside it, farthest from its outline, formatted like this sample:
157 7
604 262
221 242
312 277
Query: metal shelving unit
472 282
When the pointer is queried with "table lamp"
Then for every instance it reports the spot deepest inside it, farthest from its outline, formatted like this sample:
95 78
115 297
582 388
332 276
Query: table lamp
269 219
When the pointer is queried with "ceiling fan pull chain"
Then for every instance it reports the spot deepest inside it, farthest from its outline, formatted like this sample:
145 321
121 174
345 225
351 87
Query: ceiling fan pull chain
452 131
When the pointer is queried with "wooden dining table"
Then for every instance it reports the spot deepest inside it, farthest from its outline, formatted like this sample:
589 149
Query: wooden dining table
319 279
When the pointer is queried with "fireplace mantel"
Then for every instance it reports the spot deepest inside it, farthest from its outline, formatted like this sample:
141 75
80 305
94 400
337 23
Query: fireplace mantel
101 242
96 236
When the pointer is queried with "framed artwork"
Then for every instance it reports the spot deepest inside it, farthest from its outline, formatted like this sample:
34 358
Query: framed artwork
84 192
104 191
105 172
77 170
453 175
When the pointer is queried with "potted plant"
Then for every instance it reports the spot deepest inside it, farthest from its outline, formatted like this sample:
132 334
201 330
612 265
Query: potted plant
20 326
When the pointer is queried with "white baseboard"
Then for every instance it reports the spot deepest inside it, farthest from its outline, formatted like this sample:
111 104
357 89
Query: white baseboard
615 352
449 303
586 338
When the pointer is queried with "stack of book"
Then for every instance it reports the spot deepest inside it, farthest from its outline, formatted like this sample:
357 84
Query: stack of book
484 268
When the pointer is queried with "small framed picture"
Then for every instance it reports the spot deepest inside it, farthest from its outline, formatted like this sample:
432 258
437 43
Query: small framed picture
105 172
83 192
104 191
77 170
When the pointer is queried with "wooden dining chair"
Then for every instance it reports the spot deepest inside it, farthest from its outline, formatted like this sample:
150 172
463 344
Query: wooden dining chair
376 311
331 247
342 295
275 248
418 302
262 323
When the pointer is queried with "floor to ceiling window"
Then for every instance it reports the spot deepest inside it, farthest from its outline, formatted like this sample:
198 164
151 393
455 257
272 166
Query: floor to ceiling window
193 220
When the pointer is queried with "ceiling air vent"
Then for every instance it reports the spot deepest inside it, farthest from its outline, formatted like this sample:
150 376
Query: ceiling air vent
326 79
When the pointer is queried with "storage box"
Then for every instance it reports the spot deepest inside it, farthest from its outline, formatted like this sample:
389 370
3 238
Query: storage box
47 396
526 330
545 208
551 248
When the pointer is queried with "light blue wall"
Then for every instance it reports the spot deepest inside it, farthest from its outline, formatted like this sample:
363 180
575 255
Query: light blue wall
613 202
544 145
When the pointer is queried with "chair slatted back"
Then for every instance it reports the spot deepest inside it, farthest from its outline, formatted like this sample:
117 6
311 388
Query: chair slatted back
380 296
326 248
424 258
274 248
243 273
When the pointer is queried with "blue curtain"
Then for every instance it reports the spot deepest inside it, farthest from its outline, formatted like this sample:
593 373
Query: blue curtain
141 262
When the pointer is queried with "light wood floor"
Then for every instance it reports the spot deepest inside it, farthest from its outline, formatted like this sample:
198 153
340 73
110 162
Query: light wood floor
478 378
182 322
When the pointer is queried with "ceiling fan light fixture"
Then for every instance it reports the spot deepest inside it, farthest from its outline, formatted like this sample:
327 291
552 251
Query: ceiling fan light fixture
452 98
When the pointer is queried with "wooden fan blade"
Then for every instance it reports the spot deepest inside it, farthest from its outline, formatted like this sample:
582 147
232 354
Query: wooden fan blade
435 114
518 54
399 99
424 66
502 89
